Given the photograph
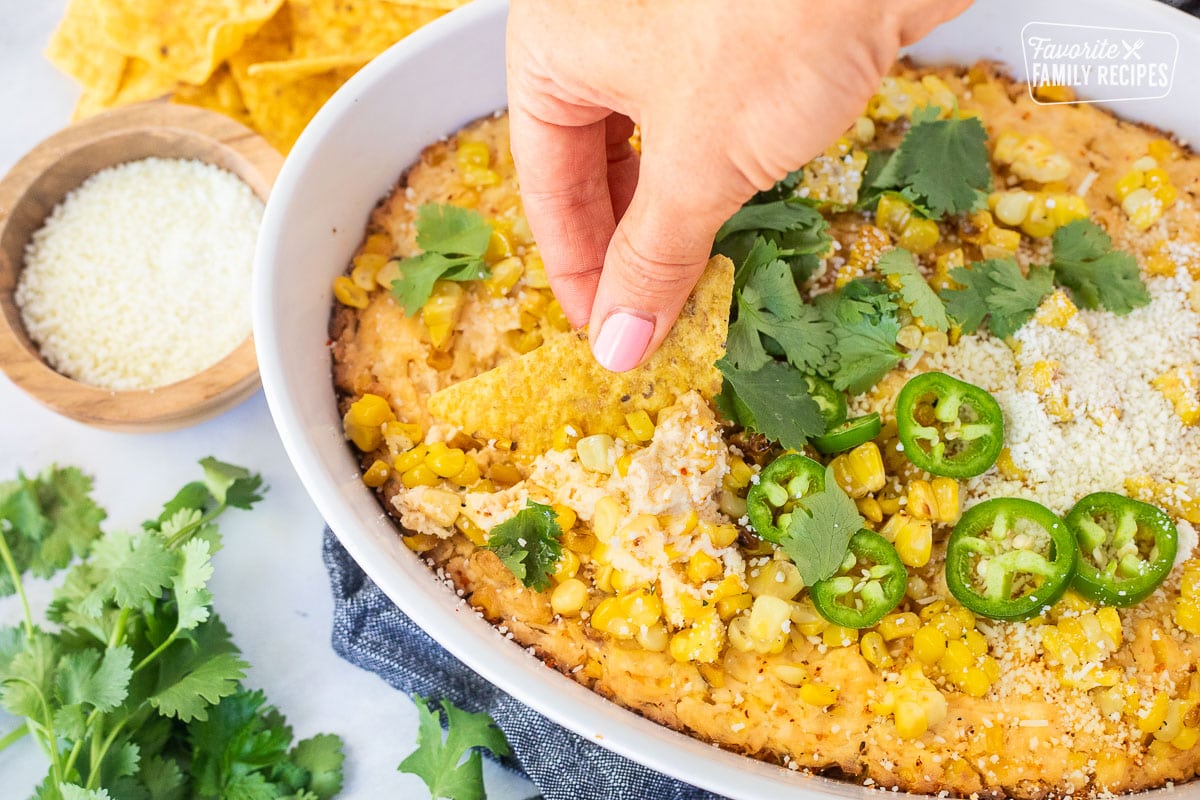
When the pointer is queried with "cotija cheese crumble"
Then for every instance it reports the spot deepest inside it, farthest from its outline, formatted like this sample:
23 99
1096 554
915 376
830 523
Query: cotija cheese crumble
141 276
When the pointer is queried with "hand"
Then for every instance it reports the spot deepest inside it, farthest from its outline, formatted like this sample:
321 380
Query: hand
730 96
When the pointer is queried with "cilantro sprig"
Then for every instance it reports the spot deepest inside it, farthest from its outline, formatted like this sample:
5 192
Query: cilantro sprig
773 400
819 533
1085 263
529 543
439 761
921 300
454 241
940 166
132 685
795 231
996 291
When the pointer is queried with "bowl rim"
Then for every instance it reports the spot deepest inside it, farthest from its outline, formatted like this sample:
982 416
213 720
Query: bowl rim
220 386
387 562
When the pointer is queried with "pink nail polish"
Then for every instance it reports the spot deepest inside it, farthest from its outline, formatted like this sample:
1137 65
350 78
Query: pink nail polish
622 341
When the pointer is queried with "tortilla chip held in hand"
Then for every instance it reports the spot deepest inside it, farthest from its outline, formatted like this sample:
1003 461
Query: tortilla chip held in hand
528 398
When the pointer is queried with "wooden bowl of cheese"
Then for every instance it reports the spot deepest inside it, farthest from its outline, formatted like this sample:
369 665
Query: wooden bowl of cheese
126 248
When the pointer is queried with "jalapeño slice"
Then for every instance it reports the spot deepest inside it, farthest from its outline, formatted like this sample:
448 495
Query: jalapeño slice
849 434
1126 548
770 502
1009 558
949 427
869 584
830 402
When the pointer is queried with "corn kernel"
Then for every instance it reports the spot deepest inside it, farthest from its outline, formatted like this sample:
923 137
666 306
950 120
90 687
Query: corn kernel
640 425
1179 386
1054 93
420 475
535 271
442 311
919 235
421 542
378 244
898 626
1005 149
349 293
929 645
1155 715
921 504
376 474
870 243
1130 182
914 543
947 504
469 529
729 607
655 638
740 474
364 420
974 682
874 650
505 274
778 578
504 473
1038 223
566 567
934 342
860 472
818 694
703 567
1187 615
1161 150
837 636
722 535
1143 208
791 674
870 509
596 452
366 267
608 618
443 461
473 153
605 518
909 337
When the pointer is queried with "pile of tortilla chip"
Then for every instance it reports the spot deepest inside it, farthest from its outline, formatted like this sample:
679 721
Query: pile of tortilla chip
269 64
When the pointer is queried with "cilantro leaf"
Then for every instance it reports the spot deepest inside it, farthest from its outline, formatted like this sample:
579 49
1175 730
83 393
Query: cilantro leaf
231 485
996 290
1096 275
162 778
98 678
70 791
790 230
865 327
194 675
322 757
454 240
128 569
921 300
780 215
941 165
529 544
769 304
816 540
192 598
439 762
776 395
46 521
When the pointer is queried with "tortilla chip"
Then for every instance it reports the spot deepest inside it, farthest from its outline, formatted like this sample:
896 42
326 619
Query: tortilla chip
280 109
139 82
186 41
361 28
528 398
444 5
219 93
296 68
78 49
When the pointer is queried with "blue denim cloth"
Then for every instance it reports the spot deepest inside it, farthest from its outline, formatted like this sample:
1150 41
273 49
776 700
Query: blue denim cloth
370 632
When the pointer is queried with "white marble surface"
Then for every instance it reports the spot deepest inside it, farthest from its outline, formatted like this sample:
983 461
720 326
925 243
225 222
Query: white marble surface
270 585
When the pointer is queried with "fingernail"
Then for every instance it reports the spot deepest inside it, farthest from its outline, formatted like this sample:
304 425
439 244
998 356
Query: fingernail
622 340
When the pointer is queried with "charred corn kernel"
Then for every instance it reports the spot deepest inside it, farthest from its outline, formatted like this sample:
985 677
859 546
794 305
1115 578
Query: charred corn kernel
870 243
1036 160
581 542
921 504
1186 739
1129 183
442 310
623 463
806 619
608 618
1153 716
888 504
1066 208
893 213
366 267
567 566
1110 623
1002 240
500 246
1005 149
469 529
894 525
929 645
388 274
476 177
919 235
975 642
860 472
730 607
443 461
837 636
420 475
914 543
568 597
409 431
596 452
780 579
909 337
1142 208
870 509
874 650
945 493
349 293
378 244
565 437
441 506
1038 223
421 542
864 130
565 516
473 153
655 638
768 624
640 425
703 567
1056 310
898 626
1054 93
376 474
523 341
504 473
974 682
1179 386
818 694
1008 468
1144 164
740 474
364 420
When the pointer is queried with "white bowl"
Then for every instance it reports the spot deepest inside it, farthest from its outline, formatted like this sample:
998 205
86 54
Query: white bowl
422 89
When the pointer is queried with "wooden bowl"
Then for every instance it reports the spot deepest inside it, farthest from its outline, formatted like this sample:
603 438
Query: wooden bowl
37 184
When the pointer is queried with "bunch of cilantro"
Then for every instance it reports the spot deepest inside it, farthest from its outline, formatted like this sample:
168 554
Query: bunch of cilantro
133 686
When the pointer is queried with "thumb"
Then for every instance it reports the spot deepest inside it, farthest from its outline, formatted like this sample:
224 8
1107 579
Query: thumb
655 258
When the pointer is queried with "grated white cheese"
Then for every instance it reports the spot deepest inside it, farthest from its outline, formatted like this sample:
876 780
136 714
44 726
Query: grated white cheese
141 276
